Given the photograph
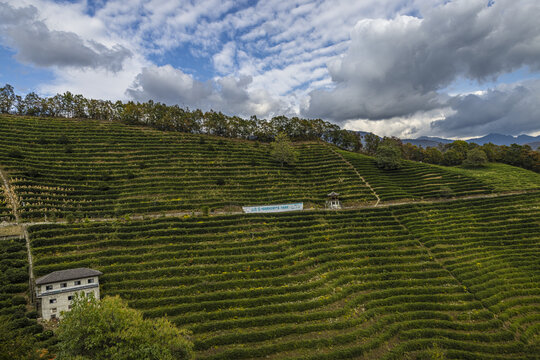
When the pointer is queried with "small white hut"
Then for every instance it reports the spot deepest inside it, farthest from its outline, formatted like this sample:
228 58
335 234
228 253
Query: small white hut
333 201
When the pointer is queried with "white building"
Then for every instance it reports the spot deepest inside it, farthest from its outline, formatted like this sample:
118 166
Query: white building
54 291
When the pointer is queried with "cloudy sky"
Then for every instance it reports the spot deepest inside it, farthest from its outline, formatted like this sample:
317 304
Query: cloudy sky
457 68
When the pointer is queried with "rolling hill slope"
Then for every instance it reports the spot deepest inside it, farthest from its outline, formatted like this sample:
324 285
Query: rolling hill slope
415 180
460 277
100 170
94 169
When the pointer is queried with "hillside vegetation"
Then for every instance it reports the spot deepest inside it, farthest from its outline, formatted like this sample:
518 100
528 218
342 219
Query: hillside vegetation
59 167
99 169
458 280
501 177
415 180
5 210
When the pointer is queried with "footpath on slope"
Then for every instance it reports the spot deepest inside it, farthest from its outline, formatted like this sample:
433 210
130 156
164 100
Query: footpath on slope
434 257
357 173
24 227
199 213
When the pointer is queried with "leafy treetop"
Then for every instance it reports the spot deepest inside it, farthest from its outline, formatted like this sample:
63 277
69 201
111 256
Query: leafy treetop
108 329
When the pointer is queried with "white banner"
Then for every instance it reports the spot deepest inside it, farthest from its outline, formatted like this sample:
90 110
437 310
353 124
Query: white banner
273 208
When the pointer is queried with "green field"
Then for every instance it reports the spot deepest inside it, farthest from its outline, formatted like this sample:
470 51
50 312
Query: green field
460 277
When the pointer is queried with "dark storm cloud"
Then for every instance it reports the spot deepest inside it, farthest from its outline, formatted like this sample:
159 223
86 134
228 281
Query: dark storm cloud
508 109
36 44
398 67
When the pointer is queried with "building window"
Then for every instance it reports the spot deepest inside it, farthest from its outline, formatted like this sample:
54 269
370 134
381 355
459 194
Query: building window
63 285
53 316
69 307
77 282
48 287
70 297
90 281
53 310
52 301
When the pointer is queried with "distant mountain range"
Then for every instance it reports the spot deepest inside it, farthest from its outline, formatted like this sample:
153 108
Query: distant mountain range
497 139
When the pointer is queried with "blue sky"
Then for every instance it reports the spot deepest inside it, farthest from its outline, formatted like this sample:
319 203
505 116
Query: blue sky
457 68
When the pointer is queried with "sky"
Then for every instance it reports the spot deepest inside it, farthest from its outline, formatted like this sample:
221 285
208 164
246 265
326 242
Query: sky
407 68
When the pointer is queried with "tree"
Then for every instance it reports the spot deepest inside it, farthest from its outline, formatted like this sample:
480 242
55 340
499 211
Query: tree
7 98
372 142
108 329
476 158
388 155
433 156
282 150
452 157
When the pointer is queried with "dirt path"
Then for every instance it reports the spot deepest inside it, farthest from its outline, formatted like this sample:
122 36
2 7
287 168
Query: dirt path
358 207
357 173
434 258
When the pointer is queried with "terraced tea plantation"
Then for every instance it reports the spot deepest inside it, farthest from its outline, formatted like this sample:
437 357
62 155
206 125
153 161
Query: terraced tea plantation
415 180
15 316
92 169
5 212
459 280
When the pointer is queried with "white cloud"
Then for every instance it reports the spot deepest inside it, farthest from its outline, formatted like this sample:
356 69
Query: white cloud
227 94
35 43
385 62
395 68
224 61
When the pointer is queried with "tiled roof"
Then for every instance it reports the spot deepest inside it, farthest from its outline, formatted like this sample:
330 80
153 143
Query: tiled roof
69 274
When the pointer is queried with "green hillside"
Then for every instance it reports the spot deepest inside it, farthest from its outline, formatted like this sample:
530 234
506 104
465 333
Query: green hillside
94 169
501 177
421 280
101 169
415 180
459 278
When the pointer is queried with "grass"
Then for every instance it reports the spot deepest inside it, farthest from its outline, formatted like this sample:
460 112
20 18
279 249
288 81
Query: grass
501 177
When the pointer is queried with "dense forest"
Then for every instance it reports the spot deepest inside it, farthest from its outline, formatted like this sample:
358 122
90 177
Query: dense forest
174 118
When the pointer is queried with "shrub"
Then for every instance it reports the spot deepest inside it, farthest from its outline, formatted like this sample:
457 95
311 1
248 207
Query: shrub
15 153
70 218
42 141
18 300
16 276
62 140
205 210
